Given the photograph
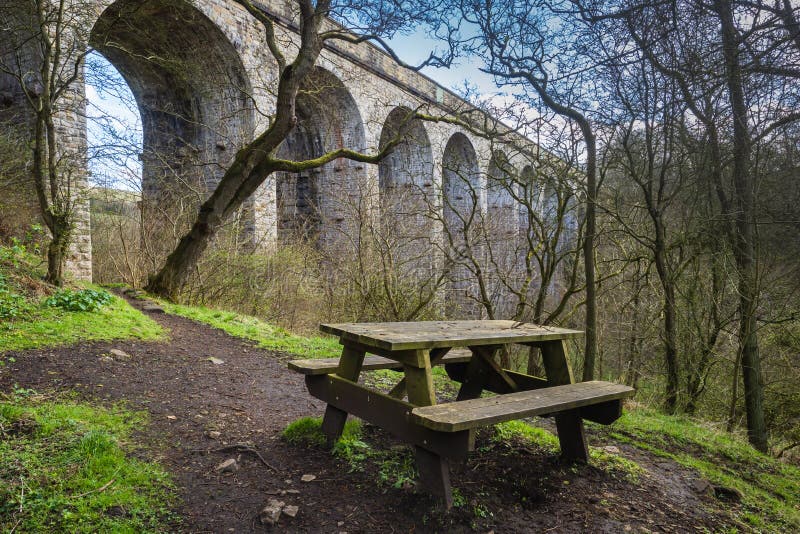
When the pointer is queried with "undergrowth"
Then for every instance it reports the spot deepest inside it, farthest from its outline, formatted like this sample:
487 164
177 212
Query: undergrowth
769 488
66 467
36 315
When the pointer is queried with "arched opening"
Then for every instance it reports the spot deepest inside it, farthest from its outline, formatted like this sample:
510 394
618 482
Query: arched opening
191 91
461 210
501 232
501 187
318 204
406 192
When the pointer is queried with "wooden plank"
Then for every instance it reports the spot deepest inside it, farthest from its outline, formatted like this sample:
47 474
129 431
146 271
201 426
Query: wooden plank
604 413
326 366
555 357
498 371
393 415
464 415
434 334
572 437
406 356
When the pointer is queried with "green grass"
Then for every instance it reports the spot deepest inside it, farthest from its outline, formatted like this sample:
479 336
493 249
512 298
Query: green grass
770 488
66 467
547 441
264 334
35 315
44 326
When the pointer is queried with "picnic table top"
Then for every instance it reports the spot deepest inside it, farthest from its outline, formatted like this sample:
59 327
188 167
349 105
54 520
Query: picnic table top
438 334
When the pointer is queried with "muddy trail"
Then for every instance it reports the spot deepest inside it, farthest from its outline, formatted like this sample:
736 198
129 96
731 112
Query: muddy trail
212 398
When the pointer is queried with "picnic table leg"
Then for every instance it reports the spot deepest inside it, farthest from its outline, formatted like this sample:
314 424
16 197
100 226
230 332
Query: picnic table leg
350 368
478 369
569 424
434 470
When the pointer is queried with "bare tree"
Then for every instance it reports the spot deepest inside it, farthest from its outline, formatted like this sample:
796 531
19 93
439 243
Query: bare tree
46 43
524 46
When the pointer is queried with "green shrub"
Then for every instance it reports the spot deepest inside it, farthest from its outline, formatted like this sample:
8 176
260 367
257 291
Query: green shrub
88 300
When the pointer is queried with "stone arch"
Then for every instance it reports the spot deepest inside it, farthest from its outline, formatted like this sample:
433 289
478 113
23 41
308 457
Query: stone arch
460 180
317 203
501 185
460 196
502 232
192 91
405 178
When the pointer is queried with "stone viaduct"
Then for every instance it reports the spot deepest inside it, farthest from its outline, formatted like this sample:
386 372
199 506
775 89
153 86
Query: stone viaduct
203 81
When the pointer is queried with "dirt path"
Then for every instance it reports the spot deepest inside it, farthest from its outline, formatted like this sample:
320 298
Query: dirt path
251 397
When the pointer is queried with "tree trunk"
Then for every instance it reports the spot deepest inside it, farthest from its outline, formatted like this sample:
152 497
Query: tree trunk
239 182
590 353
56 253
670 327
744 249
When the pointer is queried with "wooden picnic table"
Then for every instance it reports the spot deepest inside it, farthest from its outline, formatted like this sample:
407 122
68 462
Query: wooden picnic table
444 432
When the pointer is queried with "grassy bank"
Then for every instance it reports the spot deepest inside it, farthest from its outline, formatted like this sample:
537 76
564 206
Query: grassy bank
34 315
265 335
769 489
66 467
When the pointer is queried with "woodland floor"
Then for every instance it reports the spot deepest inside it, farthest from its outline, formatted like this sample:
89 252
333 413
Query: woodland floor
252 396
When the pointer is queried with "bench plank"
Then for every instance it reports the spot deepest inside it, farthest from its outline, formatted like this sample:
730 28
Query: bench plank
464 415
326 366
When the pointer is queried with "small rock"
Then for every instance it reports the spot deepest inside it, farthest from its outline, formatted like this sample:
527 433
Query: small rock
291 510
308 478
702 486
293 492
215 361
171 417
120 354
271 512
339 523
214 434
106 359
228 466
611 449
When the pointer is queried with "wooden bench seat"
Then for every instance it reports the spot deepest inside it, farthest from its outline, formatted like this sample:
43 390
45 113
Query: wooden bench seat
326 366
469 414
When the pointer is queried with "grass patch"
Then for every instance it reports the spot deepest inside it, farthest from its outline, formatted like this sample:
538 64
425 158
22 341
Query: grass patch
395 466
35 315
530 435
44 326
267 336
385 379
64 467
770 489
543 439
